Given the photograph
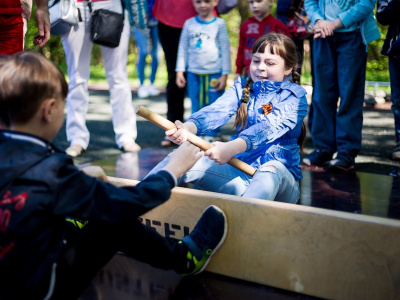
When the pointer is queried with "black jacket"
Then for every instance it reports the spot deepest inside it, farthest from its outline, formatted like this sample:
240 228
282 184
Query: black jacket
39 188
388 13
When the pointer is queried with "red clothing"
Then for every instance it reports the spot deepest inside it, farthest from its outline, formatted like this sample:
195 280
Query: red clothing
173 12
250 31
11 34
10 7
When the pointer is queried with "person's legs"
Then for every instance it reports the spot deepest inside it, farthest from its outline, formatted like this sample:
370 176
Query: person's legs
212 96
193 88
154 52
169 39
11 34
326 94
141 42
394 70
273 181
115 64
78 47
88 249
351 68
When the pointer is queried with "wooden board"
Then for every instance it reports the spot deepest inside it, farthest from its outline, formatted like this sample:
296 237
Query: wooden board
318 252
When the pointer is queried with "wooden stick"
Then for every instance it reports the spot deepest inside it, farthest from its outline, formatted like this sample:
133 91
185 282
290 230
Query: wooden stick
194 139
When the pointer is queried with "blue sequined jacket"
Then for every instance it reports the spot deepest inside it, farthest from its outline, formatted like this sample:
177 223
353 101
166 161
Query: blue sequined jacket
270 137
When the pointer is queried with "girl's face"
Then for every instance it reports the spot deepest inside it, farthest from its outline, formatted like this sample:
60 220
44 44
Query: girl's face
268 66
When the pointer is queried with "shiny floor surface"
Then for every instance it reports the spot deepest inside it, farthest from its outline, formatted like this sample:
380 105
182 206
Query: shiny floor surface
354 191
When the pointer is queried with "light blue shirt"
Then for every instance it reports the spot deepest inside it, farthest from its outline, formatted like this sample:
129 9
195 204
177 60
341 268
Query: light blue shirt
204 47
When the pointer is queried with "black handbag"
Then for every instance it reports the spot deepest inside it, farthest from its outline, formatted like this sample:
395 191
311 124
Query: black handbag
106 27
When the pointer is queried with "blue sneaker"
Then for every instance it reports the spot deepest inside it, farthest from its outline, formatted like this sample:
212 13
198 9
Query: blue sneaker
342 162
318 158
205 239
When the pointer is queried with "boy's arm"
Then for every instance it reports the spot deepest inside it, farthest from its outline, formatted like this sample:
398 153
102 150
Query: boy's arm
84 197
223 42
312 10
183 48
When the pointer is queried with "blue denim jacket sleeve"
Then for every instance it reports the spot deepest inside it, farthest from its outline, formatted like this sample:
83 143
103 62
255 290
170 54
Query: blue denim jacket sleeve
285 116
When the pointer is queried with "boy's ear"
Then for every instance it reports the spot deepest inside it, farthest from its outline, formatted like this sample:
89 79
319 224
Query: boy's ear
47 109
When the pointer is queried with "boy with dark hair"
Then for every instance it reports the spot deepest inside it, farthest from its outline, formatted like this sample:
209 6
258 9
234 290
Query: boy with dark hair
41 255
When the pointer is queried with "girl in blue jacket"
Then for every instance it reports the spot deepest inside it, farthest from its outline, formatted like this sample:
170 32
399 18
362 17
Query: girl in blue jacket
269 112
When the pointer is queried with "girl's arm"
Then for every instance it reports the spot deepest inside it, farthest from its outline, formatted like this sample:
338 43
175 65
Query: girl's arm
283 118
223 152
224 47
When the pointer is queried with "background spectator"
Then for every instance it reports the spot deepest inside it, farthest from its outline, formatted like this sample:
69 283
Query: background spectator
388 13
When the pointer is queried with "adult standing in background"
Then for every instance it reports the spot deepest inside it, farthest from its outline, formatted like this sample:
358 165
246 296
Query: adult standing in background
388 13
142 42
342 32
14 16
78 47
171 15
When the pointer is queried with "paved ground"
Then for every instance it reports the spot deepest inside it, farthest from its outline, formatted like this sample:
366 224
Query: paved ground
378 132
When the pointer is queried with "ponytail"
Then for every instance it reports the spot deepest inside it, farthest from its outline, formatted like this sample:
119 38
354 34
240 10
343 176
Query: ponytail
241 115
295 76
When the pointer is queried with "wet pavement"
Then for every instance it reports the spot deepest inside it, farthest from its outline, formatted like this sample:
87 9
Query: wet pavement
371 190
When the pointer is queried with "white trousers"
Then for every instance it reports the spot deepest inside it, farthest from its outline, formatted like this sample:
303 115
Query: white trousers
78 47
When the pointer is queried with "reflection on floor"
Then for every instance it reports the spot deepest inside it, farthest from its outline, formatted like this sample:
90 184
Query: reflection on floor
355 192
126 278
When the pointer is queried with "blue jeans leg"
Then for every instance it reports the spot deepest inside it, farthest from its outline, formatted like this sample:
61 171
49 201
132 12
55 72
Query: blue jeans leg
154 52
272 182
325 95
202 93
394 70
141 42
351 66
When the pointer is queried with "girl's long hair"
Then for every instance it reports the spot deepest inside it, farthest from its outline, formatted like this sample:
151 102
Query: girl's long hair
279 44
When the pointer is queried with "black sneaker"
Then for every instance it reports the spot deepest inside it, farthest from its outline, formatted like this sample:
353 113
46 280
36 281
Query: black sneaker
318 158
396 152
205 239
342 162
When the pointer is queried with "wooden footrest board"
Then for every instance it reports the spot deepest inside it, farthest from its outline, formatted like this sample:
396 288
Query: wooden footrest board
313 251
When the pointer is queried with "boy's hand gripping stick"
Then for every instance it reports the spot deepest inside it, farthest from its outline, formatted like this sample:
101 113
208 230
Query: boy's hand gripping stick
192 138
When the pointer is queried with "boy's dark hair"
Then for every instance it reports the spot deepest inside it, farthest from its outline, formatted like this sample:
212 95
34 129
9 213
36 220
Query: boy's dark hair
26 80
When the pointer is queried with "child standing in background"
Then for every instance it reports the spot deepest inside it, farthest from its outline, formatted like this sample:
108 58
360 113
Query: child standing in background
261 23
204 53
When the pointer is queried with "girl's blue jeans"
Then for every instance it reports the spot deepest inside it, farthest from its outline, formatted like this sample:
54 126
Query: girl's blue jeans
272 180
142 42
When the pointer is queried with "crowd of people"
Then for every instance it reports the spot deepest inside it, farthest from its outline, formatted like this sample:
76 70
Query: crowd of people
44 256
